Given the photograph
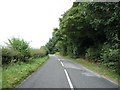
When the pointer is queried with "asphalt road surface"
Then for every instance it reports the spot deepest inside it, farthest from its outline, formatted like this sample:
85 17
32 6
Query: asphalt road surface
62 73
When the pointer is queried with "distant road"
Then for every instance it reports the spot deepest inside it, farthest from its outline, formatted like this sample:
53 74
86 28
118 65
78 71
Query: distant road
61 73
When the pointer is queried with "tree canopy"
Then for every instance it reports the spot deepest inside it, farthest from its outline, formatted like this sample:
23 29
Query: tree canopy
86 29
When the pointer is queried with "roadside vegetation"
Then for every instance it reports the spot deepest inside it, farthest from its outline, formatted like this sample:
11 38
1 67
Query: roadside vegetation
96 67
0 68
15 73
0 77
19 61
89 30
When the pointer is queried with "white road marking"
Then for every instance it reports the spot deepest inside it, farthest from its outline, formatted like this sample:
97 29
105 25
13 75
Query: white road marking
68 78
58 59
92 73
62 64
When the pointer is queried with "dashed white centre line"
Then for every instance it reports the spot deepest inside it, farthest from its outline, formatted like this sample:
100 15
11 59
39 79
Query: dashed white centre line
58 59
68 78
62 64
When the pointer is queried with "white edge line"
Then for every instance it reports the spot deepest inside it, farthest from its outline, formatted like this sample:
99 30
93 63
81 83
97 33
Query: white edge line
69 81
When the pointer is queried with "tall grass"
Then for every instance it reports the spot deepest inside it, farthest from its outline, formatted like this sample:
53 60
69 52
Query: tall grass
0 77
14 73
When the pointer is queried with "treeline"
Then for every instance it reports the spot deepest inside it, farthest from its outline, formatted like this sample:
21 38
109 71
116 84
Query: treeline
89 30
19 50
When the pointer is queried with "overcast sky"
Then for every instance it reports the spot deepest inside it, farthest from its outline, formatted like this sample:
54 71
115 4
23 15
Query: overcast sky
32 20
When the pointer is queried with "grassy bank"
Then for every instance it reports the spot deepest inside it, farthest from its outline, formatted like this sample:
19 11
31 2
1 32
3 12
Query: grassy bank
0 77
103 71
15 73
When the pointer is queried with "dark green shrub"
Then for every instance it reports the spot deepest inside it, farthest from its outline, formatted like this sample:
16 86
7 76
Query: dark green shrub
8 55
93 54
110 56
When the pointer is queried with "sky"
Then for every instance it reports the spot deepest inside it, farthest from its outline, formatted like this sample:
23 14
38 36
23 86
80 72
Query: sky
32 20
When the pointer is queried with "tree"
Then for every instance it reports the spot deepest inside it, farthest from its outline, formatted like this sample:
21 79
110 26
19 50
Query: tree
85 29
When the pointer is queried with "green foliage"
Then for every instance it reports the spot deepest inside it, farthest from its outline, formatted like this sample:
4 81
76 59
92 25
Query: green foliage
19 50
51 45
15 55
44 50
90 55
9 55
110 56
37 53
14 73
94 53
21 46
0 68
84 29
101 69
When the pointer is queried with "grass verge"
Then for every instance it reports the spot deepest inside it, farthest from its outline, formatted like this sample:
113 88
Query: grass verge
100 69
15 73
0 77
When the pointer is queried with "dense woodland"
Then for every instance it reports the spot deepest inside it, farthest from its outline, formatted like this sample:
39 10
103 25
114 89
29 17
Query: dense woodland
89 31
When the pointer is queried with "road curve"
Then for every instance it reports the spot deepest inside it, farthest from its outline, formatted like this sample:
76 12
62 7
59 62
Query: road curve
58 72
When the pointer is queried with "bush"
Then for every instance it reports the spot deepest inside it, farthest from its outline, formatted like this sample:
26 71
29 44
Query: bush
9 55
19 50
36 53
107 55
16 50
20 46
44 50
110 56
93 54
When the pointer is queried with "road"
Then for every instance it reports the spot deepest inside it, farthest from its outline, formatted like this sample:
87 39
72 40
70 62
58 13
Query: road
62 73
